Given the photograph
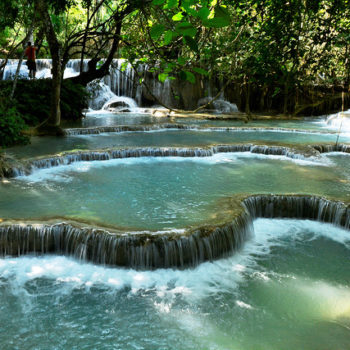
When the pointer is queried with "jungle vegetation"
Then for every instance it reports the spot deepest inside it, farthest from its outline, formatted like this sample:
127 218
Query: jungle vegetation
282 55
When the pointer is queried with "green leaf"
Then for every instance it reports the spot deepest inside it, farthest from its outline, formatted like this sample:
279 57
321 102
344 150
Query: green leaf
190 77
171 4
216 22
156 31
123 66
201 71
221 18
183 75
203 13
186 29
221 11
186 75
191 43
158 2
162 77
178 17
168 36
181 61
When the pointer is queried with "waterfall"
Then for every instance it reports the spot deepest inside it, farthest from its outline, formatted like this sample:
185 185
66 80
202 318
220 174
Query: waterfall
122 80
27 167
43 69
120 101
150 250
100 94
339 121
143 251
116 83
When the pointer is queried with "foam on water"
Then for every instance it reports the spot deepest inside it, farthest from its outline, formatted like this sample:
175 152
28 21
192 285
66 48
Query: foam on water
339 122
205 280
126 100
234 303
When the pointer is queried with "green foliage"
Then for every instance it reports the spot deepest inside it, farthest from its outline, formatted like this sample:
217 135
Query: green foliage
32 99
73 100
157 31
9 11
275 45
221 18
11 125
162 77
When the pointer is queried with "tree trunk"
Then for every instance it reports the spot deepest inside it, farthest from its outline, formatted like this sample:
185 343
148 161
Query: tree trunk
51 125
14 85
285 103
247 99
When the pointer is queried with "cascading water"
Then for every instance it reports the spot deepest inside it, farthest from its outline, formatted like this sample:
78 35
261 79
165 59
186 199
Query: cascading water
164 250
100 94
102 155
289 280
339 121
122 81
120 102
43 69
283 276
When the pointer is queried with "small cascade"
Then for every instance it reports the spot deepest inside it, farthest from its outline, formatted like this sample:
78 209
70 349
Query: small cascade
332 148
143 251
120 102
73 157
103 98
126 128
175 126
100 93
122 80
340 121
299 207
43 69
73 68
150 250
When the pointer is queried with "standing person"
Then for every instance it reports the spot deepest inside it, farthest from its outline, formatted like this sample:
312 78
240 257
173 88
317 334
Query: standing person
30 53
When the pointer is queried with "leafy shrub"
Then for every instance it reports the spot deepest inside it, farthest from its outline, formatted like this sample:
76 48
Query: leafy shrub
11 126
74 98
33 97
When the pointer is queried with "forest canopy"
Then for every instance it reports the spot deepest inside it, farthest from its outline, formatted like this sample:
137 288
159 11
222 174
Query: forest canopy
264 42
272 51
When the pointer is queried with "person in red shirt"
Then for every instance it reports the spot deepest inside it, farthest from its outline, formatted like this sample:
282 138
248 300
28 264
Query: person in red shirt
30 53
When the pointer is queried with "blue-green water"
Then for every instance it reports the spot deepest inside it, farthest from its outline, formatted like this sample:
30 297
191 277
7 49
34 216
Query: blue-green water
158 193
180 138
288 288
